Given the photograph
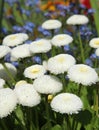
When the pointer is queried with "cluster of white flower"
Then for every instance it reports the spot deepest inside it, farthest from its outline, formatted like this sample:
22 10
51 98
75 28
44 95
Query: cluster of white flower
27 94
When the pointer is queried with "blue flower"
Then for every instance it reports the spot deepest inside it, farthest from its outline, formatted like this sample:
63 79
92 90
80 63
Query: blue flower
89 62
37 59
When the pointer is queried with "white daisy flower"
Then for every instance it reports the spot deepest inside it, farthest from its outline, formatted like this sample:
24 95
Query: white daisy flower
61 40
82 74
40 46
47 84
12 69
34 71
77 19
60 63
51 24
27 95
20 83
94 43
15 39
2 83
21 51
97 52
4 50
66 103
8 101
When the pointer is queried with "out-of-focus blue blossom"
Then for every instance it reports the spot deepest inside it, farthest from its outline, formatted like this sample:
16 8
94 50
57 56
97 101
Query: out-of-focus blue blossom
91 11
11 2
30 24
28 42
63 7
15 63
67 32
4 30
82 6
89 62
28 28
7 58
43 31
37 59
75 11
85 32
26 12
66 48
62 14
37 10
93 56
31 2
17 29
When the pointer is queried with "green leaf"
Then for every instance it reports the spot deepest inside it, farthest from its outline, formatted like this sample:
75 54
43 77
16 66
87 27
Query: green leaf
56 127
95 5
84 117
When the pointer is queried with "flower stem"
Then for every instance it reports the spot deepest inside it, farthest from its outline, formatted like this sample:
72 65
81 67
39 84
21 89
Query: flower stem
81 48
9 73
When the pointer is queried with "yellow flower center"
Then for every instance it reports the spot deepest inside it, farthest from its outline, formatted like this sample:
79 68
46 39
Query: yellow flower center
20 83
96 42
66 98
35 70
13 37
83 69
61 59
61 37
39 43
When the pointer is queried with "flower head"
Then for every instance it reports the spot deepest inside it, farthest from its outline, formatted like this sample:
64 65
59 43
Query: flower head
47 84
97 52
60 63
82 74
8 101
94 43
21 51
34 71
40 46
77 19
15 39
51 24
27 95
66 103
61 40
4 50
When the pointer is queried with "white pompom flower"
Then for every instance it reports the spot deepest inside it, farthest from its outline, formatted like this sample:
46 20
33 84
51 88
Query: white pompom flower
20 83
47 84
82 74
4 50
40 46
2 83
77 19
51 24
27 95
97 52
21 51
8 102
94 43
60 63
34 71
14 39
61 40
3 73
66 103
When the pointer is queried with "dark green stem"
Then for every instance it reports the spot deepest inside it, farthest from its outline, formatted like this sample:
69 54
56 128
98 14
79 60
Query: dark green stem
81 48
1 12
9 74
